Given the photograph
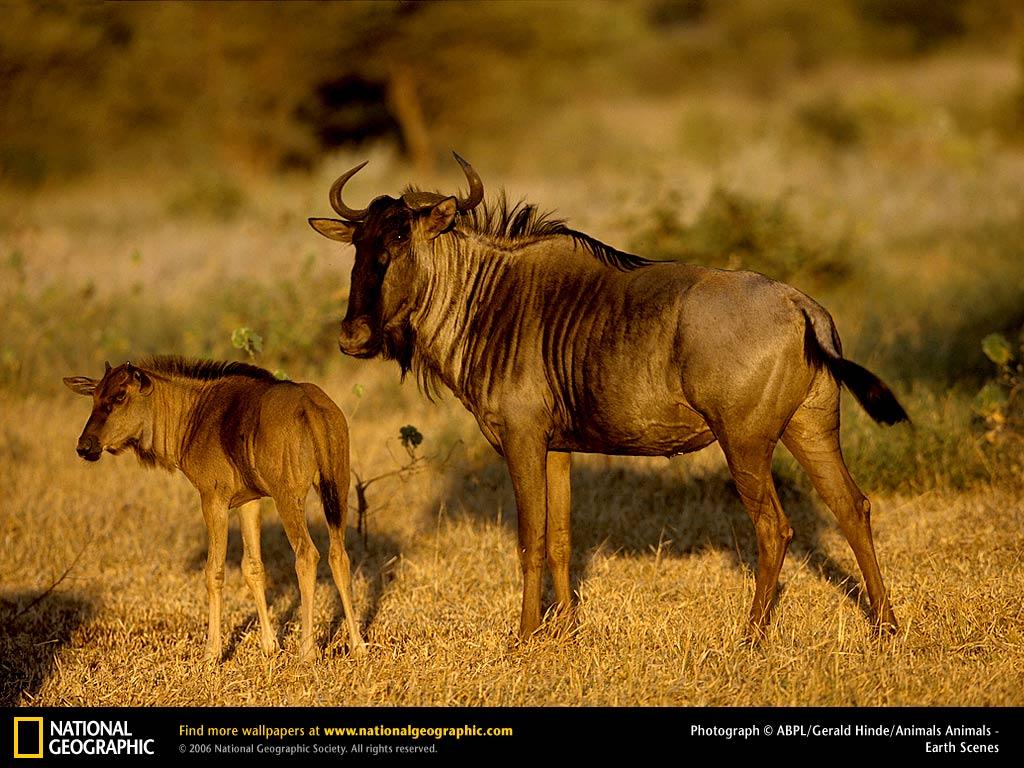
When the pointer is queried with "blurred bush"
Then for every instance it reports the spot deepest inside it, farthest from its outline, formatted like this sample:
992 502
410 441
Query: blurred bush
47 332
207 195
829 119
258 87
735 231
920 24
1013 115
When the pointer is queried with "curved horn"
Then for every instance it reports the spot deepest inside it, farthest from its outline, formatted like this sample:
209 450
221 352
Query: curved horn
338 204
476 186
106 367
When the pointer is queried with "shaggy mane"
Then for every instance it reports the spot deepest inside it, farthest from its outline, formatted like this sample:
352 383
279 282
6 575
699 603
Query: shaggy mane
522 222
203 370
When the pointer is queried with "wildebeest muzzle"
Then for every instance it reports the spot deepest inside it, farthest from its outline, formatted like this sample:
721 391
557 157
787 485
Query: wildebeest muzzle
356 338
89 447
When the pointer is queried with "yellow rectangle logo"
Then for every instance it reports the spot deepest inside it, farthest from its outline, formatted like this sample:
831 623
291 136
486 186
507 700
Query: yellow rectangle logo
30 744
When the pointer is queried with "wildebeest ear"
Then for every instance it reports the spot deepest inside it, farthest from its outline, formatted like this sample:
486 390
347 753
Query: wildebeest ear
441 217
81 385
145 383
335 229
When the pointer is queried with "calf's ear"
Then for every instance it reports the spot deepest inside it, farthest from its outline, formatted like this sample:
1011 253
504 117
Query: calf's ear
440 218
81 385
334 229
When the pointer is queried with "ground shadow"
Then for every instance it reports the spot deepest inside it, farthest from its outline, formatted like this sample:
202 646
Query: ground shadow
640 511
31 639
371 557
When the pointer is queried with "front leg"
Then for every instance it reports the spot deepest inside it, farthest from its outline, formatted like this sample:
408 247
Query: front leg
215 511
559 538
526 455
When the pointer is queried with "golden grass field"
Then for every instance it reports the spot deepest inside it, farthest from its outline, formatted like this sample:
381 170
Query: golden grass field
663 549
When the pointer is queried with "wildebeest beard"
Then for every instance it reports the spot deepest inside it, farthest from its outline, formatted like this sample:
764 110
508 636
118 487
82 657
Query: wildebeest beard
398 344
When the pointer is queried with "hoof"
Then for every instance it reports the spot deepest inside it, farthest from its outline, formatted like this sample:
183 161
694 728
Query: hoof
513 642
528 630
359 651
755 635
886 629
270 648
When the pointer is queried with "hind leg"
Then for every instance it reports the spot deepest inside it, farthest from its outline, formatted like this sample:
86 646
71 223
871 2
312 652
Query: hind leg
341 569
813 438
750 461
291 507
252 569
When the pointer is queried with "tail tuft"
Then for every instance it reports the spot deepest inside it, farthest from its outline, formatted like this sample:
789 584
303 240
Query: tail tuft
332 466
871 392
822 347
330 501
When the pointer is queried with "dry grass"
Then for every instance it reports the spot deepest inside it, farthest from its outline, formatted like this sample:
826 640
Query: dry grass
664 566
663 549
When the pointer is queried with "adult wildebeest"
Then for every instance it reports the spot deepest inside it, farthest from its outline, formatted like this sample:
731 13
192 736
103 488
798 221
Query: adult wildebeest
238 434
559 343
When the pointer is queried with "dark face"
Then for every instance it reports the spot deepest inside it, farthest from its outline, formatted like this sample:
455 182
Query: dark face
118 411
380 297
387 236
381 239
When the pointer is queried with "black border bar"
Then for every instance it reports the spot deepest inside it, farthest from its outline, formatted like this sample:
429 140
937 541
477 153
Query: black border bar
364 735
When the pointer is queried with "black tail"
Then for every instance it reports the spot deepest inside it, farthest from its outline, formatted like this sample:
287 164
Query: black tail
330 501
871 392
332 464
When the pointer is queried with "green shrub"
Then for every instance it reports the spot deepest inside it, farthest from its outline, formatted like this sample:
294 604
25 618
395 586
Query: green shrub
1000 402
247 340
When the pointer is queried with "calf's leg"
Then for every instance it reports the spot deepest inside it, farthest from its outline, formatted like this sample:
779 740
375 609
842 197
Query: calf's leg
215 512
291 507
341 569
252 569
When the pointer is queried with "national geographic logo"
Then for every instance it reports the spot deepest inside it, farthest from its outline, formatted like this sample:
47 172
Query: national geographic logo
28 737
76 737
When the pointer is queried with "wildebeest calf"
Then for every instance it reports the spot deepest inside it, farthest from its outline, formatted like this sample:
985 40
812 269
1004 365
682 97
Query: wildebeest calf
238 434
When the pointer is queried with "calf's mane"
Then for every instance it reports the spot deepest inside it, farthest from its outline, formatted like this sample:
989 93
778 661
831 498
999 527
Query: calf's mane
202 370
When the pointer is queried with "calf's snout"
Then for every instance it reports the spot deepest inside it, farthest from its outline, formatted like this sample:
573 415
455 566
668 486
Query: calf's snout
89 447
